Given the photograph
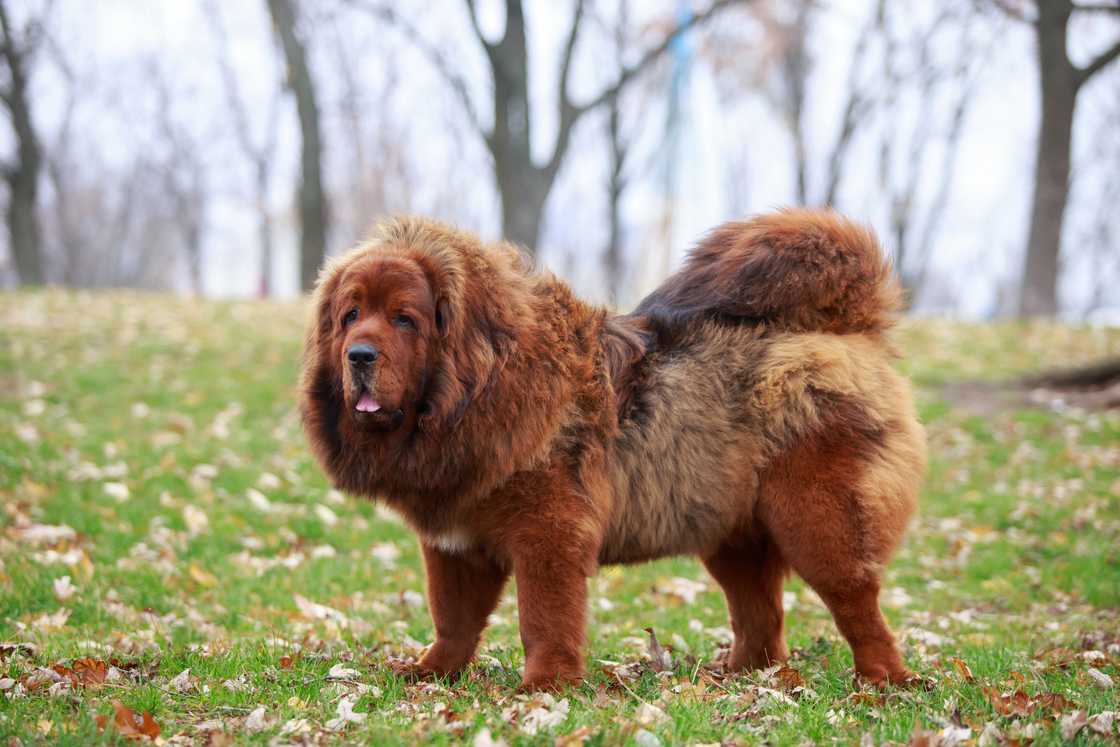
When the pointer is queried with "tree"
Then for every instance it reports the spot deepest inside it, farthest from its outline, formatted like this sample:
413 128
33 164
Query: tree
18 48
1060 81
259 153
313 210
182 176
939 94
523 184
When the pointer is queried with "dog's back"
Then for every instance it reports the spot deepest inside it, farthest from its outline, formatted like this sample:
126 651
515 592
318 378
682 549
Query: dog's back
771 335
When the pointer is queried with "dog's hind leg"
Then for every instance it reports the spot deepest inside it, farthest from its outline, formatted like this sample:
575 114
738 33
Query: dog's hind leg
836 506
751 573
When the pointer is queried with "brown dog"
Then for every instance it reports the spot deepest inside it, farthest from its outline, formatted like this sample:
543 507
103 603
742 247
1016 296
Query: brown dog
746 413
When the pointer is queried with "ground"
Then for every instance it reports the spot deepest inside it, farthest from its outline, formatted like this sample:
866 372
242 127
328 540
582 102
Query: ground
168 546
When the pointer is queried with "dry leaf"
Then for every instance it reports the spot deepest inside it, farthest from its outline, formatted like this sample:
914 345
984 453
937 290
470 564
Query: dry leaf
1099 678
1073 723
789 679
659 657
201 576
962 668
130 724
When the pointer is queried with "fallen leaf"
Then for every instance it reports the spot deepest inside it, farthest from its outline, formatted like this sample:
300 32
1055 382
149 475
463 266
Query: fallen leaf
83 672
1073 723
789 679
1102 722
340 672
962 668
483 739
181 682
256 720
648 714
1099 678
63 589
346 715
130 724
201 576
659 657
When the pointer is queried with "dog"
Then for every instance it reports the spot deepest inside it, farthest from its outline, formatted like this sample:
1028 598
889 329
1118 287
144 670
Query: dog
746 413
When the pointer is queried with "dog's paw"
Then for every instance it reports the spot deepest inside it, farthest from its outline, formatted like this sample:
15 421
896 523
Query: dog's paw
882 679
418 671
553 683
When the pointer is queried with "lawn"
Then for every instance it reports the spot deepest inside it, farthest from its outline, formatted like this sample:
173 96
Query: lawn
168 546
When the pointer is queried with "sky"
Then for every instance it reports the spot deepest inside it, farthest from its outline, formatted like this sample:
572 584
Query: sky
733 154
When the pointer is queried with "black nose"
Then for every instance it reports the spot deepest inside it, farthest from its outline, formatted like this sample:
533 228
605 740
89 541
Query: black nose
362 354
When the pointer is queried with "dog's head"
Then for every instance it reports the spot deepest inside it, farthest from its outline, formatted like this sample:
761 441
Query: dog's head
380 326
408 328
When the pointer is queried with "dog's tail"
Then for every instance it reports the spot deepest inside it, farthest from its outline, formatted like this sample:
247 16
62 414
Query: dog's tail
794 270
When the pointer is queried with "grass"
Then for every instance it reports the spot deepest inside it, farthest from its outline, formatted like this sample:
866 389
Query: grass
163 433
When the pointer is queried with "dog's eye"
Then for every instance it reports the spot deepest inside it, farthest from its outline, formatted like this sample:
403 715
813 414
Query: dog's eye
404 321
351 317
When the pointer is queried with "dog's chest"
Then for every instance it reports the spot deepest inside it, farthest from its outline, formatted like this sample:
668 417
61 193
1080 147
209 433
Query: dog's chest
452 542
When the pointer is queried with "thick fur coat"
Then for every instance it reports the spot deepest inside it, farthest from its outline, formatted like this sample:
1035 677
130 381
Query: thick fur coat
746 413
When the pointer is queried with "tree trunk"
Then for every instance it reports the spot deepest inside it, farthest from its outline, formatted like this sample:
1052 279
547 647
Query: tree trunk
264 228
312 200
22 176
612 260
1058 89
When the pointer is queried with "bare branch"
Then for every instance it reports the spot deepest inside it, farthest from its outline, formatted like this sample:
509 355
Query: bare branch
626 75
569 48
1096 7
1101 61
652 55
445 69
857 104
1013 9
473 13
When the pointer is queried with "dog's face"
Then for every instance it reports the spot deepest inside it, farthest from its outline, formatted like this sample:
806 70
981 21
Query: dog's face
384 322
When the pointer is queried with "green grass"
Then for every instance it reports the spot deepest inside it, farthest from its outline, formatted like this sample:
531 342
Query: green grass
191 406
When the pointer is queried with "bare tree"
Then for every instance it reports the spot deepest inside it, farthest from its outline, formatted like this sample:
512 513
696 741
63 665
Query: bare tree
18 47
313 209
786 57
1060 81
523 184
619 147
916 189
259 153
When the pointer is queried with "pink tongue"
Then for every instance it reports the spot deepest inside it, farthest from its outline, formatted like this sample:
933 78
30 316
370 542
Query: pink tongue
367 404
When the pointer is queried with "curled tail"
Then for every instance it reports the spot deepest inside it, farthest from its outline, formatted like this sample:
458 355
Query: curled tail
797 270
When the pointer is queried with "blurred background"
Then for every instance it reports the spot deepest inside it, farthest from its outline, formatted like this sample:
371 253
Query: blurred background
224 148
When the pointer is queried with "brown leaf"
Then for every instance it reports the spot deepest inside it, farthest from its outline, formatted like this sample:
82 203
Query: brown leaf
1059 658
285 662
1054 703
863 697
1017 703
962 668
201 576
574 739
84 672
789 679
129 723
661 661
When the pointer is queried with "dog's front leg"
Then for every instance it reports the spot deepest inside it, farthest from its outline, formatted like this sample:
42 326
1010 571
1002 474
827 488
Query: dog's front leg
463 589
551 569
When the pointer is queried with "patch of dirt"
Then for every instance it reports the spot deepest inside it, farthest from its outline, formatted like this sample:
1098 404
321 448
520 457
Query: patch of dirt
1089 388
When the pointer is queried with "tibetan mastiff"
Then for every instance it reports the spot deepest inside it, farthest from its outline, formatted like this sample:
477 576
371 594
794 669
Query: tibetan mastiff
746 413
